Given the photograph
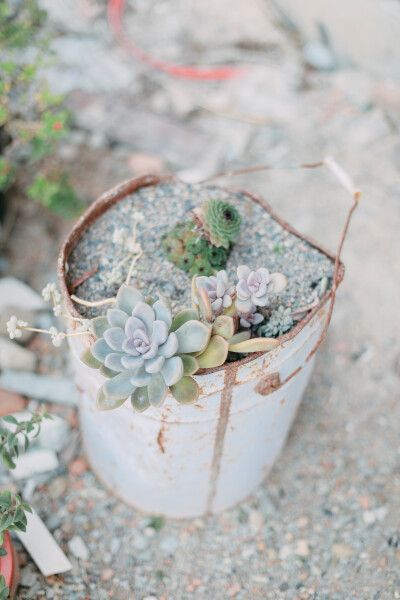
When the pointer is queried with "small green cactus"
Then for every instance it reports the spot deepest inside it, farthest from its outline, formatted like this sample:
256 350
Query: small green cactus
186 261
196 245
221 222
172 247
201 266
217 256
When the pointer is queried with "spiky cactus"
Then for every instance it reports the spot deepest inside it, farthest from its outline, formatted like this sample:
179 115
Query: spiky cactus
220 221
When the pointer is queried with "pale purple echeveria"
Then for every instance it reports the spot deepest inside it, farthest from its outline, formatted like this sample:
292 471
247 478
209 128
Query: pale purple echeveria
250 318
254 287
219 290
139 353
136 345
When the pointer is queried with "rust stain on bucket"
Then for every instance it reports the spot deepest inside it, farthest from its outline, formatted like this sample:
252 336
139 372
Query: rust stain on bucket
268 384
160 439
224 411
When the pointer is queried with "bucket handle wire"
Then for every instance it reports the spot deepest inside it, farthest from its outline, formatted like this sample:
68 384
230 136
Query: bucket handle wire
355 192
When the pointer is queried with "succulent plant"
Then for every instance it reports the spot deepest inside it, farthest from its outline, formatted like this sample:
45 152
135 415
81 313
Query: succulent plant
141 349
254 287
196 244
220 221
201 267
219 290
279 323
217 256
250 318
186 261
172 247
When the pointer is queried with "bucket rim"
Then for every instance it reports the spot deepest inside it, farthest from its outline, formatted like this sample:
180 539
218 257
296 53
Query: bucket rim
106 200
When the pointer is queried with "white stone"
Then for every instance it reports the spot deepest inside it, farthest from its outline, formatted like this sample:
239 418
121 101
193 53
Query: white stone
14 356
20 295
59 390
34 462
78 548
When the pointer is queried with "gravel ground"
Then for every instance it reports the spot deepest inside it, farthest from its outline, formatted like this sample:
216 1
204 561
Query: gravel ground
325 525
262 242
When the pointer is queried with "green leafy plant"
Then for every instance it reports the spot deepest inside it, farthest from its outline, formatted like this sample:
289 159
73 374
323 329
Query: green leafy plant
32 121
12 509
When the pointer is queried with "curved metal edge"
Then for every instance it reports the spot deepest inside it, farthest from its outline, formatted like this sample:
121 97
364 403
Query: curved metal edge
112 196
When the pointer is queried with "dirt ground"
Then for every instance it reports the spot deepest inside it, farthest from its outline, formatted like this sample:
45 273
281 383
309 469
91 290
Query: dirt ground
325 525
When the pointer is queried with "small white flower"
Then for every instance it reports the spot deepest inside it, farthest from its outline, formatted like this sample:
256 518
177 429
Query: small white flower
133 247
14 327
48 291
57 297
138 216
119 236
57 310
84 326
56 337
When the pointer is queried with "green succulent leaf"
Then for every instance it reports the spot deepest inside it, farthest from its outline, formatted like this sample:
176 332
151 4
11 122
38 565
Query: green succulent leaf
157 390
193 336
201 266
185 261
254 345
222 222
224 326
140 399
204 304
104 403
215 354
190 364
242 336
186 391
106 372
89 360
98 326
188 314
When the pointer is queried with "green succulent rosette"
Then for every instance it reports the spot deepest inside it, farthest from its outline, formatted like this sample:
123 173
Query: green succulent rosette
221 222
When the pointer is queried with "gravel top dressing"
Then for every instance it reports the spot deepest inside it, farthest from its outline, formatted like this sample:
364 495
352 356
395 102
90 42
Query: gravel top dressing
262 242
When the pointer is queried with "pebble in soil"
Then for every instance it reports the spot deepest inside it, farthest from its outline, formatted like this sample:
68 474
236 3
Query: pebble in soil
263 242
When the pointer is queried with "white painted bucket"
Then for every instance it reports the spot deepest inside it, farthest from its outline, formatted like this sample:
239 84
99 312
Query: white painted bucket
186 461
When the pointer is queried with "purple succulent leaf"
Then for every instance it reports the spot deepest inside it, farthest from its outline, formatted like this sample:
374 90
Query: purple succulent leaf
100 350
260 300
163 312
114 361
243 306
160 332
170 347
132 362
216 305
119 387
145 313
154 365
172 370
133 324
242 290
243 272
116 317
152 352
115 337
129 347
227 301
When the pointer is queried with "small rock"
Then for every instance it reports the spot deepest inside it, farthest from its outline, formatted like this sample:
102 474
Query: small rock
57 487
22 295
11 402
256 521
107 574
34 462
150 598
319 56
25 315
78 466
115 545
13 356
234 589
342 550
140 542
369 517
169 544
29 576
141 163
60 390
78 548
285 552
302 548
54 434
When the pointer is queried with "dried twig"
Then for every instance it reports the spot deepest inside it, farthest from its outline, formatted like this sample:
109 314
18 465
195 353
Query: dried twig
82 279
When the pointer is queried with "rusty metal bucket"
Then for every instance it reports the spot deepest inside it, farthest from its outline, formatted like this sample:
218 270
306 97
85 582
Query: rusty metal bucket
186 461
